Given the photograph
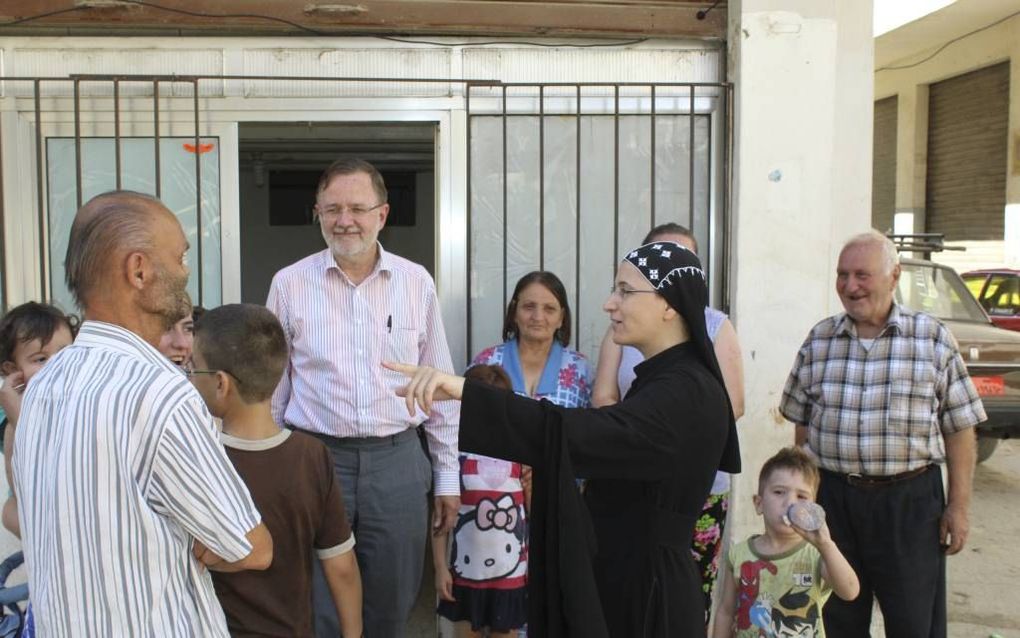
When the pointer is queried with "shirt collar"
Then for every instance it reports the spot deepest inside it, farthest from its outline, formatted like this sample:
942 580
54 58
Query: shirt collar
255 445
109 336
384 264
846 326
548 383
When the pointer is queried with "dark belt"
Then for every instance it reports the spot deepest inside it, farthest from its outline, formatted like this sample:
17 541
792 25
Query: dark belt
359 441
870 480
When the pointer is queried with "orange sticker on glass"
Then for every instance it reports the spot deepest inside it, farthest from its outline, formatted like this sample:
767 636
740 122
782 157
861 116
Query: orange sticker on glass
202 148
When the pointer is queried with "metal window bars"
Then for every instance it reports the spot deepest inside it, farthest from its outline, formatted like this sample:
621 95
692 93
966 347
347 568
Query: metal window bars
583 101
651 102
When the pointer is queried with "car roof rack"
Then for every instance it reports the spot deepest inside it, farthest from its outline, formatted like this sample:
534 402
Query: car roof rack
925 243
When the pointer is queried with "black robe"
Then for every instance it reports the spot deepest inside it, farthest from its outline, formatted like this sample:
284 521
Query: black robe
650 461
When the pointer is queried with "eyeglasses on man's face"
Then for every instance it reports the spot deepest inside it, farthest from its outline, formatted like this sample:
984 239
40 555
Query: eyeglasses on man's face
623 291
332 211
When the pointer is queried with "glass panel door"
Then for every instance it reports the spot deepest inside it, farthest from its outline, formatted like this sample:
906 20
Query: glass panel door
138 173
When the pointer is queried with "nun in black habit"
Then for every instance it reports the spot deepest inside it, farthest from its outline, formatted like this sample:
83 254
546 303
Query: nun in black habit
617 565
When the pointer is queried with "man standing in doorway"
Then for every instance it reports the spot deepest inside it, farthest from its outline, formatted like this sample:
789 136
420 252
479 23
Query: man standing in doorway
122 479
344 311
881 396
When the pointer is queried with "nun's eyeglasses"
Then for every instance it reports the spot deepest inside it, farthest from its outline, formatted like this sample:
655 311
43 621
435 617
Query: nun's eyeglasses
623 293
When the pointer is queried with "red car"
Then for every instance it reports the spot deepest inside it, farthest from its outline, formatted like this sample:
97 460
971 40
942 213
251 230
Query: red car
998 292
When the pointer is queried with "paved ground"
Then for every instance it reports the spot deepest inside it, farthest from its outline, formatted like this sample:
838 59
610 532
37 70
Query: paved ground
983 580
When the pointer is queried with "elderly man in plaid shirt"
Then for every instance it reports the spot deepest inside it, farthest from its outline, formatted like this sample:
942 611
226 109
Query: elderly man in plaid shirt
881 397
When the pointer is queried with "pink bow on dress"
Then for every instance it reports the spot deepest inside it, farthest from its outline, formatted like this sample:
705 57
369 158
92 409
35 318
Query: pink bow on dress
501 515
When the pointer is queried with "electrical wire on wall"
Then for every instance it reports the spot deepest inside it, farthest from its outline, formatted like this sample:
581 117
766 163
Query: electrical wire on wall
311 31
945 46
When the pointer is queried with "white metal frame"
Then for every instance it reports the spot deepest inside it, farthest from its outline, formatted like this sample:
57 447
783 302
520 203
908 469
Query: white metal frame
222 121
450 207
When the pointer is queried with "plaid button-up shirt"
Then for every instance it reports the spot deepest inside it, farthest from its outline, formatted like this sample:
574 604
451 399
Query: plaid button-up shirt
881 410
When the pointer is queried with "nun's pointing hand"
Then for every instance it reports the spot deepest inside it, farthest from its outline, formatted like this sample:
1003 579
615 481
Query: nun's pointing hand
426 385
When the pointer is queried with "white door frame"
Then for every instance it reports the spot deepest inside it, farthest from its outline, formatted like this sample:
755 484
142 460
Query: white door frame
450 239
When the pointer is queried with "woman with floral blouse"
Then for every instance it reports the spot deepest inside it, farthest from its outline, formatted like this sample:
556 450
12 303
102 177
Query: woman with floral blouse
534 354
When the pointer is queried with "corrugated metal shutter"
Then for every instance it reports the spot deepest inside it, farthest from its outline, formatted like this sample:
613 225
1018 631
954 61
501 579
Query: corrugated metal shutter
883 165
967 138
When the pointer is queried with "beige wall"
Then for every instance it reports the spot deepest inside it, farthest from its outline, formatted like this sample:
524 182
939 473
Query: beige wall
803 75
994 45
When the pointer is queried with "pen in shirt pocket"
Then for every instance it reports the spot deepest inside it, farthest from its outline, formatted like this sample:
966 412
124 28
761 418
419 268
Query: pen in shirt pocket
389 324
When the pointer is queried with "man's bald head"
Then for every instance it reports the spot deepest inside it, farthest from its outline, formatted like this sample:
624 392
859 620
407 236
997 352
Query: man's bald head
108 226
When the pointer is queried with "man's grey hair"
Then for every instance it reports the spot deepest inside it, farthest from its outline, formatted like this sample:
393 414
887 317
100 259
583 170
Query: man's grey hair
108 224
890 257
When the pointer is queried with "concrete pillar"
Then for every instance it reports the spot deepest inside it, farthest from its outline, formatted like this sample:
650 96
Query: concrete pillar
911 158
803 72
1011 234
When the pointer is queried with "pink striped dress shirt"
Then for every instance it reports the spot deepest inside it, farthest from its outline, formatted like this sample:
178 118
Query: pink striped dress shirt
339 333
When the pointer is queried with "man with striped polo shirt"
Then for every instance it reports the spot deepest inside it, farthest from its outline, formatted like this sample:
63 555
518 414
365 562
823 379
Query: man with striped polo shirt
881 397
126 494
344 311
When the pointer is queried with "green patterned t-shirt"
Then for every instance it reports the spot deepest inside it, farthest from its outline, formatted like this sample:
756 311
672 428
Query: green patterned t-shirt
779 595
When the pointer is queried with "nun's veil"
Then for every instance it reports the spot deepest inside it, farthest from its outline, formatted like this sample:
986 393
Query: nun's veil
675 272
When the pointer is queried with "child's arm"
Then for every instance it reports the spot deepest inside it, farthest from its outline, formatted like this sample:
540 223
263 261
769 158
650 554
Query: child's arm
10 511
11 522
344 580
606 391
10 400
836 571
526 486
726 610
444 578
9 451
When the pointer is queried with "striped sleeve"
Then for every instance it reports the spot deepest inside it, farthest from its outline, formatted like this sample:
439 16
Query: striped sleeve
194 483
443 425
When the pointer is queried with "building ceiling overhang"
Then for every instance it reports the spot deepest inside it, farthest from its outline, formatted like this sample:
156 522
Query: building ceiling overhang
918 39
574 18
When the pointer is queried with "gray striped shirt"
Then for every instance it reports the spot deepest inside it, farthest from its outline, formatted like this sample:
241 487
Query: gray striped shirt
117 469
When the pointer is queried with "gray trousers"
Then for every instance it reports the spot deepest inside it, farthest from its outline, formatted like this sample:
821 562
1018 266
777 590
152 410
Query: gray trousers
385 483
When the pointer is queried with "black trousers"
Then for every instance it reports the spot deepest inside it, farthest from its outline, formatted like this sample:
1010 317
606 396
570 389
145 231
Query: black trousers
890 535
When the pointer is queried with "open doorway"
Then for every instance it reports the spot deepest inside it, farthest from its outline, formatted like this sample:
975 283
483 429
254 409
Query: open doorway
279 169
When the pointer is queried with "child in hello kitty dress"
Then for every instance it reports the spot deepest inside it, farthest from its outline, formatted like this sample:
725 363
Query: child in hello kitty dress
482 585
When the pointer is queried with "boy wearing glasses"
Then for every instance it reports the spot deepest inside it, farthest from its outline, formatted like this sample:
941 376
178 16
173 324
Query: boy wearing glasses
239 355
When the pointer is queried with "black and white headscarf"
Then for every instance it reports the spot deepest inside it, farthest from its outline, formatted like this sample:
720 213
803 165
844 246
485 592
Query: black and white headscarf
665 263
676 274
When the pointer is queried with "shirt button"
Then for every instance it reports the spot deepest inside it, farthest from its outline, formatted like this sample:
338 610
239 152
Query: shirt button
359 351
